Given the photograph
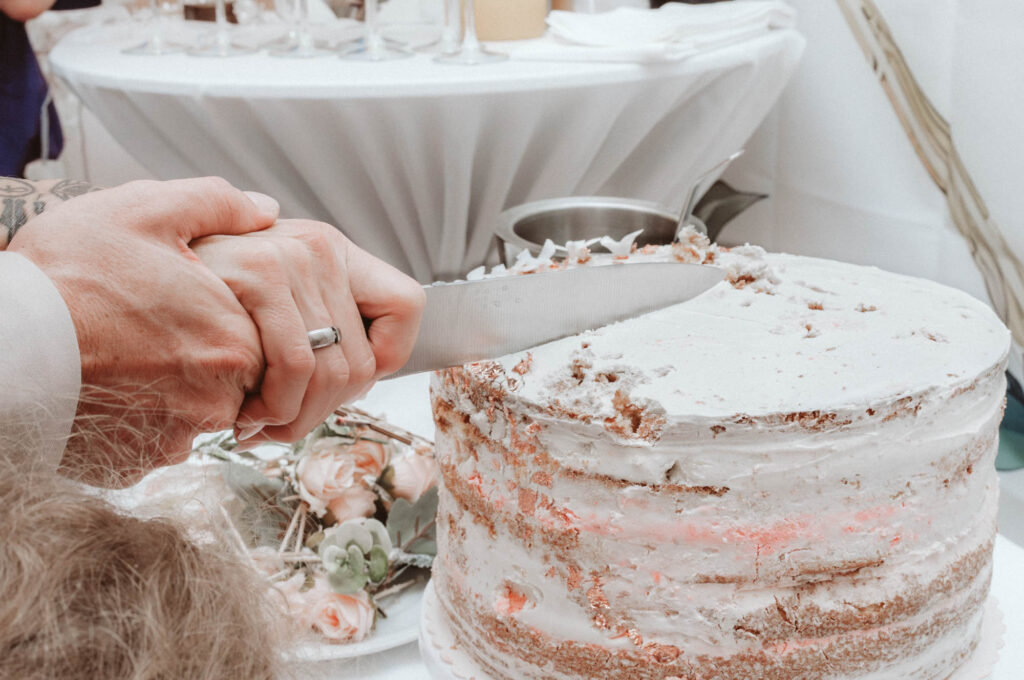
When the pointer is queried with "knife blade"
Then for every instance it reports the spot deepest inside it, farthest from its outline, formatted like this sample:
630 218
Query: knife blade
469 321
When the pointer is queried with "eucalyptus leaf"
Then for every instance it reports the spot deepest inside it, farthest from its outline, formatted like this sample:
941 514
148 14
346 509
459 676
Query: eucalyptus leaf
380 534
347 583
411 525
264 516
333 429
313 540
346 572
349 533
249 483
378 564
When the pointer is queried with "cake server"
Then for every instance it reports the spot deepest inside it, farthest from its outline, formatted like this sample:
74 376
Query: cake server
472 320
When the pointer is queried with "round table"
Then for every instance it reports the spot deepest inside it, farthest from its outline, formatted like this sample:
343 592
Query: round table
414 160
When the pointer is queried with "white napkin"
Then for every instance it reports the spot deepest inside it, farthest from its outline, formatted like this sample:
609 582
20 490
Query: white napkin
669 33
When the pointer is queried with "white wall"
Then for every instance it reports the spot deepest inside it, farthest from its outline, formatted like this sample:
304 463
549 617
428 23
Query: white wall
844 179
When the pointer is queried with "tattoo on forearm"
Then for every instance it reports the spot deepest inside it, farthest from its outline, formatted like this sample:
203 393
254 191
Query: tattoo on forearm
13 216
22 199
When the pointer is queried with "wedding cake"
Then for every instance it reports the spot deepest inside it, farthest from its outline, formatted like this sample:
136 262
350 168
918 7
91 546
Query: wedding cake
790 476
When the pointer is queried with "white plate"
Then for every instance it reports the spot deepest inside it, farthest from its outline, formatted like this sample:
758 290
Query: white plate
399 628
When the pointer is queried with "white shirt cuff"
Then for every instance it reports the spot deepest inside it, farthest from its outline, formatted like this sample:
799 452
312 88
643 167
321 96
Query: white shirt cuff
40 367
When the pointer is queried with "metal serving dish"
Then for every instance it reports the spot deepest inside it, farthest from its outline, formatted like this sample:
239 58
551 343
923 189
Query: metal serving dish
525 227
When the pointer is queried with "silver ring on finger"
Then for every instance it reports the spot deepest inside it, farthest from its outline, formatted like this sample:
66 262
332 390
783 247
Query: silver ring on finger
324 337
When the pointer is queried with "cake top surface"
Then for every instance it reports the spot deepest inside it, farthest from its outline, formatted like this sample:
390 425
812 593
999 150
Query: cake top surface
782 334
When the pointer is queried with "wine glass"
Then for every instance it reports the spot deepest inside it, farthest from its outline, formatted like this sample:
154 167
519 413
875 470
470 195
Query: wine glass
448 41
299 43
222 45
471 51
155 44
373 46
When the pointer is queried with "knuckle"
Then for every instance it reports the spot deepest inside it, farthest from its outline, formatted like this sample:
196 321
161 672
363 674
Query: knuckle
318 247
261 256
298 360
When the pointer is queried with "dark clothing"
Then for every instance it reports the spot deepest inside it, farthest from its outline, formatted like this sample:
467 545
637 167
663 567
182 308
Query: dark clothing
22 93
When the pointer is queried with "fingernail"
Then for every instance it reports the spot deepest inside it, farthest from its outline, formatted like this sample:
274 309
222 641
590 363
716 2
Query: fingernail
267 205
249 432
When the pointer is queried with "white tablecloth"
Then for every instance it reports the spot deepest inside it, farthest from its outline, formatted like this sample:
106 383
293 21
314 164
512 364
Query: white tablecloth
405 402
412 159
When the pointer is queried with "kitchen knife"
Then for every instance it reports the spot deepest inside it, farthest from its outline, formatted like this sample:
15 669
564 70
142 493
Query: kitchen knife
468 321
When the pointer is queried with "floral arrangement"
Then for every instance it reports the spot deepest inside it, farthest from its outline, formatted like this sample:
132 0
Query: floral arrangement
337 522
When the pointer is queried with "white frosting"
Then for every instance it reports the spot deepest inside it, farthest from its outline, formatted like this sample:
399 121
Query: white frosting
840 418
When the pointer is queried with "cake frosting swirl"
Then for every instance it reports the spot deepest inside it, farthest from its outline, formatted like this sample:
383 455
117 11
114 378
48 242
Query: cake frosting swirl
790 476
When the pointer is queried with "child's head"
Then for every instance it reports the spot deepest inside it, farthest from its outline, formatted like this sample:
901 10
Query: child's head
88 592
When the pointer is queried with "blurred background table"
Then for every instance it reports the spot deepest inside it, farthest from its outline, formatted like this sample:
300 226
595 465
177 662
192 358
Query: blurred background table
414 160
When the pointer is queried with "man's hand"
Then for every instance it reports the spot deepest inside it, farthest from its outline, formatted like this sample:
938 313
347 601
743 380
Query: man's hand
167 350
298 276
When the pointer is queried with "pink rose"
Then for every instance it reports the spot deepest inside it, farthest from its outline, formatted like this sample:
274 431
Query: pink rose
325 472
370 458
356 501
414 474
345 618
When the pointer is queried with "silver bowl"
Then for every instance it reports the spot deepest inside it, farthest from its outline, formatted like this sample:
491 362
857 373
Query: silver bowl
525 227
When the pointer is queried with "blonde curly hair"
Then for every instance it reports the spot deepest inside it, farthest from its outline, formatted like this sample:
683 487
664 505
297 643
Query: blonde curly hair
90 592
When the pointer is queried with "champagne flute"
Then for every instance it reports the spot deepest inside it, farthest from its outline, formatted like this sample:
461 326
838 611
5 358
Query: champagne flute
222 45
471 51
155 44
374 47
300 43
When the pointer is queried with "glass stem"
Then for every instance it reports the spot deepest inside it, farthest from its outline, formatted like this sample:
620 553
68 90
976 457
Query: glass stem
450 34
469 39
221 17
304 37
373 40
156 39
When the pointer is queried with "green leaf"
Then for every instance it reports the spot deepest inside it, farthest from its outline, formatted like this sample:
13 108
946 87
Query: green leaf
250 484
350 532
348 575
332 429
379 533
411 525
264 515
378 564
313 540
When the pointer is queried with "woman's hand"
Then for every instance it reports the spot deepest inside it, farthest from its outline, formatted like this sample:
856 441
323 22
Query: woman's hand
298 276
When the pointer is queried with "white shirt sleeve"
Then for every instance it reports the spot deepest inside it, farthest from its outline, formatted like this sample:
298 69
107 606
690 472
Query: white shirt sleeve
40 367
